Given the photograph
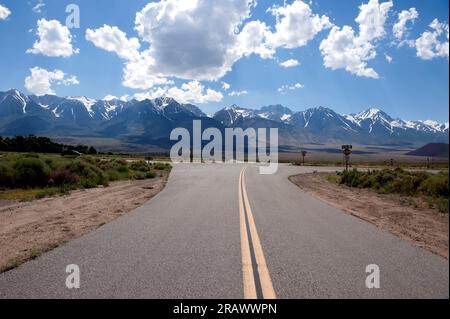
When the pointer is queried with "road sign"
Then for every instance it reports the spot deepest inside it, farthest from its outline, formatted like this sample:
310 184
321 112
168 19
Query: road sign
303 156
347 152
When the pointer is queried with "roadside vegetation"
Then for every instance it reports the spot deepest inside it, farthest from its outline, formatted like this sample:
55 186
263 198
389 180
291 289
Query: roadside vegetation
31 175
434 188
424 165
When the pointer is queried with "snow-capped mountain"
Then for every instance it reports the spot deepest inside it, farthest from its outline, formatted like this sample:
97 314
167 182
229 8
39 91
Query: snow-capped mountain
229 116
50 114
376 119
151 121
323 125
277 113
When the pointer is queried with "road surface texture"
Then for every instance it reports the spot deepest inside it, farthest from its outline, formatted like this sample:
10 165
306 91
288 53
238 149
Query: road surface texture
223 231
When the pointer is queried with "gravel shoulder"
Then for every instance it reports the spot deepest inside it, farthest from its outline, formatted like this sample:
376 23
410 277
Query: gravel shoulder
28 229
424 227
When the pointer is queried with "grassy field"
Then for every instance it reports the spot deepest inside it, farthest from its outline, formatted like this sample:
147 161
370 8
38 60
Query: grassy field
433 187
25 176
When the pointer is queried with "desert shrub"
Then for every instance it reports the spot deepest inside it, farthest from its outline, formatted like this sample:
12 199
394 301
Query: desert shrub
141 166
139 175
6 175
90 175
63 177
49 162
31 155
442 205
351 178
114 165
30 172
46 192
436 185
122 168
398 181
150 175
161 166
89 159
113 176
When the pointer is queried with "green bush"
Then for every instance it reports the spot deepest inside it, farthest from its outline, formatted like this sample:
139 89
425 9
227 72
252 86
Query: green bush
53 173
436 186
442 205
150 175
162 166
398 181
139 175
6 176
114 165
63 177
141 166
30 172
90 175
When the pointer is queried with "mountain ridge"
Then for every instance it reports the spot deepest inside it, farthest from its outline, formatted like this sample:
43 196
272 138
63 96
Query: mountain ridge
151 121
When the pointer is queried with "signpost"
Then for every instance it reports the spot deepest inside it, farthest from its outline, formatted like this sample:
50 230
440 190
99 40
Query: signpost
303 156
347 150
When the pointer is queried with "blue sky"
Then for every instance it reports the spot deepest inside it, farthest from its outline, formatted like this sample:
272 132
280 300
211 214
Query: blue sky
413 85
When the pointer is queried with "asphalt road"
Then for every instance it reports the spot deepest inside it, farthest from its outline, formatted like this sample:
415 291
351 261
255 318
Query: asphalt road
219 232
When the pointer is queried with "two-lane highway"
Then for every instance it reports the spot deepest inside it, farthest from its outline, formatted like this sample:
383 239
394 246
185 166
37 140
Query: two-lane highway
223 231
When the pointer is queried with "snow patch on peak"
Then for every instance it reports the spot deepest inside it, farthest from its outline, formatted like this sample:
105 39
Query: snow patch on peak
368 114
88 103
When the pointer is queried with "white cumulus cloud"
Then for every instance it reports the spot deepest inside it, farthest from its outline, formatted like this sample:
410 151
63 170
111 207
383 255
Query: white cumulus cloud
388 58
290 63
39 6
225 86
343 49
110 97
372 19
192 39
432 44
201 40
141 73
296 25
70 80
238 93
55 40
112 39
400 27
285 88
41 80
4 12
190 92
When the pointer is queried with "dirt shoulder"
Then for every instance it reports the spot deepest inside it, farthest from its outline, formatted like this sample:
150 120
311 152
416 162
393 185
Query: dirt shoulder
424 227
27 229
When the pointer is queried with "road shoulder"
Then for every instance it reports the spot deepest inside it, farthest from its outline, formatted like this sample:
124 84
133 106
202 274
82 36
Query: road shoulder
423 227
28 229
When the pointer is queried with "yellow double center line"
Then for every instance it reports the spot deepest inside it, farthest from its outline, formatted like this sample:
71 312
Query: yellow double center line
257 284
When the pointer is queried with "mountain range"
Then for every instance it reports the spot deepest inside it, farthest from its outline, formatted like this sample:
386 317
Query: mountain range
150 122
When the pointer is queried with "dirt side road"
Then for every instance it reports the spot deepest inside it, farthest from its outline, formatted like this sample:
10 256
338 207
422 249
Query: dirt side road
27 229
424 227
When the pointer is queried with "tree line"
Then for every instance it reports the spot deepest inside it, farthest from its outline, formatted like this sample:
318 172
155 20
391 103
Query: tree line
40 144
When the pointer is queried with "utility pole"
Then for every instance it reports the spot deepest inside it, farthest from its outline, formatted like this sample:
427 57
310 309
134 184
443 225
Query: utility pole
303 156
